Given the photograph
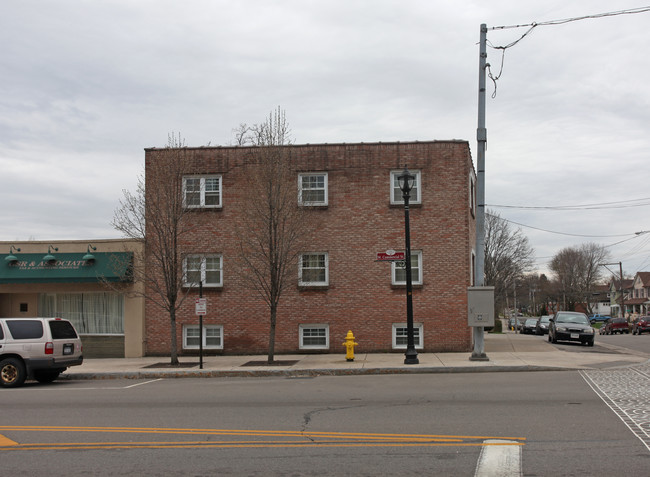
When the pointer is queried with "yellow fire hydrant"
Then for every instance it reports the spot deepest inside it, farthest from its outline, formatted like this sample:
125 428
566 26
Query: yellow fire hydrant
349 346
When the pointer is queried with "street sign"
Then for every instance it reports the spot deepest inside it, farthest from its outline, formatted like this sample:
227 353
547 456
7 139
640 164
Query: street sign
390 256
201 306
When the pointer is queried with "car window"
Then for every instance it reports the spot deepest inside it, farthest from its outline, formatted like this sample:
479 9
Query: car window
62 330
2 333
25 329
566 318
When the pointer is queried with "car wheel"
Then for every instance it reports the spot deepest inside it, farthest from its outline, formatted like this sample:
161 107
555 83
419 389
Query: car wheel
12 373
46 376
590 343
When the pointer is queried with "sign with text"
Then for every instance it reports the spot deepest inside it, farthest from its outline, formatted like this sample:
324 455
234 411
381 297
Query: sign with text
390 256
201 306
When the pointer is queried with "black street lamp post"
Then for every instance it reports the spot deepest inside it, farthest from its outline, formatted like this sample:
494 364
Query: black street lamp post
406 181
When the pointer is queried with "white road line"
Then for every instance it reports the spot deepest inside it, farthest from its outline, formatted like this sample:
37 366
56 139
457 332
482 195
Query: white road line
140 384
502 460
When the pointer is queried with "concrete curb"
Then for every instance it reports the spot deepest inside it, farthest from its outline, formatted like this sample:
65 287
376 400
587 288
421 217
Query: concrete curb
304 372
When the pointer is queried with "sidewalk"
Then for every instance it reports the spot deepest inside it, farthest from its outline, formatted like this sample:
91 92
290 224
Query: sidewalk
506 352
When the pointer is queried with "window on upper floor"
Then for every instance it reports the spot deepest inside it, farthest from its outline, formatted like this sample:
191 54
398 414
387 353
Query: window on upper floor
314 269
472 194
312 189
202 191
203 268
396 193
398 270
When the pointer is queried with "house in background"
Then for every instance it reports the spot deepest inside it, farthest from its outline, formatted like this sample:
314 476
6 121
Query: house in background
619 294
638 302
86 282
359 208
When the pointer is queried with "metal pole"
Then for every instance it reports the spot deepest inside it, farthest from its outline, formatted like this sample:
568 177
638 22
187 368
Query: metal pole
201 329
411 355
481 137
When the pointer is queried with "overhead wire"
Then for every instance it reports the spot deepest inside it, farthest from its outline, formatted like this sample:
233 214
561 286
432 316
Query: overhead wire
533 25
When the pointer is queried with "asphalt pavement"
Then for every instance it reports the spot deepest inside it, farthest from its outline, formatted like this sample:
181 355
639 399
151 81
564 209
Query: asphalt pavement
506 352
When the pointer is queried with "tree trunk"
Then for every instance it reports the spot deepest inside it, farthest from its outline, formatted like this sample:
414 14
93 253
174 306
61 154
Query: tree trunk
271 356
173 348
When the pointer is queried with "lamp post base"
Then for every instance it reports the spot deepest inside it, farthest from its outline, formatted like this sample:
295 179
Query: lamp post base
411 357
479 357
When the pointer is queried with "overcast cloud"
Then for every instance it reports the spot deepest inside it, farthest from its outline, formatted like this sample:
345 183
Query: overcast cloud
87 85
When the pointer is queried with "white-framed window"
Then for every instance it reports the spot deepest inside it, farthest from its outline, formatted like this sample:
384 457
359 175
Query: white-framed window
398 270
212 337
396 192
472 194
400 335
472 267
202 191
314 269
312 189
203 268
314 336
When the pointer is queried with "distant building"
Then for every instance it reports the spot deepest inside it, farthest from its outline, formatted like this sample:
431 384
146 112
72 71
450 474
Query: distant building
85 282
360 208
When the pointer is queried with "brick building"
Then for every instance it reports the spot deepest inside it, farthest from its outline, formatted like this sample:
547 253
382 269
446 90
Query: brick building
354 195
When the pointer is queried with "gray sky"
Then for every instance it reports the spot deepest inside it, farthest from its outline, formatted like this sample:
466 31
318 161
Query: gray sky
87 85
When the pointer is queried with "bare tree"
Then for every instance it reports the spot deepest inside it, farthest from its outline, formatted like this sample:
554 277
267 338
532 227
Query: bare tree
161 224
273 227
577 270
508 256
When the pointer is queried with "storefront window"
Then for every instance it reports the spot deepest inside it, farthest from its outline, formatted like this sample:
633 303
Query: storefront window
90 313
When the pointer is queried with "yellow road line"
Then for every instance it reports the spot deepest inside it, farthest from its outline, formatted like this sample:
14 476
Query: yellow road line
5 442
307 439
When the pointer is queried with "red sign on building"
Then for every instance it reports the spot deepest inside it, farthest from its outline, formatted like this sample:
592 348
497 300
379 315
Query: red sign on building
390 255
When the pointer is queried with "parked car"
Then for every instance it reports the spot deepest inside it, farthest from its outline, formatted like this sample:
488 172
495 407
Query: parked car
616 325
599 318
571 326
529 326
542 325
511 324
38 348
641 324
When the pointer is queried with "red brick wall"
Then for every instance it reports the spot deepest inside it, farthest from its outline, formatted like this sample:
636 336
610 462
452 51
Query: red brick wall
358 222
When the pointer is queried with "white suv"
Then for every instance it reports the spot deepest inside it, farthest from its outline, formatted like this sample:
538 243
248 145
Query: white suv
38 348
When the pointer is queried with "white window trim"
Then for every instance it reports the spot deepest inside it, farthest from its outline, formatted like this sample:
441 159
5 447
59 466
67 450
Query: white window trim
205 327
327 271
202 200
203 271
393 268
416 326
310 326
472 194
300 189
417 185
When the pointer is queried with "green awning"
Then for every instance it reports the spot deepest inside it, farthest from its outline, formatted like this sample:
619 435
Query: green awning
68 268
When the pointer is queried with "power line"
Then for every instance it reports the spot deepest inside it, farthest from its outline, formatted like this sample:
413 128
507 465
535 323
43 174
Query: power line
532 26
597 206
563 233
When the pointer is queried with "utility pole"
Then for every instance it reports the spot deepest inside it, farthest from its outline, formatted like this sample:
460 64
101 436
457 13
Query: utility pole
481 136
620 271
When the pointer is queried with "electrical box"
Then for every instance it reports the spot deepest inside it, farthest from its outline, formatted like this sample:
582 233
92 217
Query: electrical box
480 306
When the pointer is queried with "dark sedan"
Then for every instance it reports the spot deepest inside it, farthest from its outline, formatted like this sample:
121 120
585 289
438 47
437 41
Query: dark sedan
542 325
530 326
571 326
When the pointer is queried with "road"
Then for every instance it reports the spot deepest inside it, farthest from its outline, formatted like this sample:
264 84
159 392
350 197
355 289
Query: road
545 423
